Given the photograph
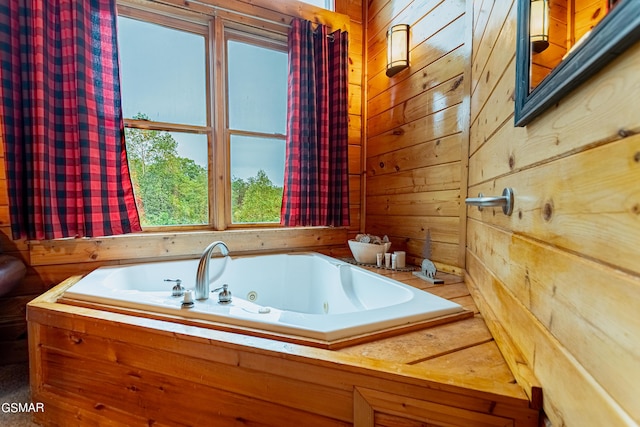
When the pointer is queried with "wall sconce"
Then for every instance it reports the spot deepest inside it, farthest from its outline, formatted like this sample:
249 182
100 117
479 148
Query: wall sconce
539 25
397 49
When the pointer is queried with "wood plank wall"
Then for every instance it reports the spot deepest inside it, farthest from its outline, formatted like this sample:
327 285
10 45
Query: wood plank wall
587 13
417 124
559 42
354 10
51 262
561 275
569 21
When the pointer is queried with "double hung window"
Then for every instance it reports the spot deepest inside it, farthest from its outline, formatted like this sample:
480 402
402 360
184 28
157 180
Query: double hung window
204 103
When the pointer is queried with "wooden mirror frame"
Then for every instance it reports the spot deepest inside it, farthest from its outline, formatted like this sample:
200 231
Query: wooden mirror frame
616 32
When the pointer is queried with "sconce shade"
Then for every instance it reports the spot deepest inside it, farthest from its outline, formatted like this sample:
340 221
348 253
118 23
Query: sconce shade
397 49
539 25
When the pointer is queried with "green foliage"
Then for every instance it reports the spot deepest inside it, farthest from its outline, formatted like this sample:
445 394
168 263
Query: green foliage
170 190
173 190
255 200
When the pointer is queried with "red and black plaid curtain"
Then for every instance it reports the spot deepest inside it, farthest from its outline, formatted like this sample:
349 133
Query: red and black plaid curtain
67 171
316 183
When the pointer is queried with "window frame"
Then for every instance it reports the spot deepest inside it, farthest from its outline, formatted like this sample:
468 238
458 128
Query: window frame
194 25
258 38
328 4
215 29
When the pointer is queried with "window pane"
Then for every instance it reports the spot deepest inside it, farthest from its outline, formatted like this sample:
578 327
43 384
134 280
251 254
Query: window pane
162 72
257 177
327 4
169 174
257 79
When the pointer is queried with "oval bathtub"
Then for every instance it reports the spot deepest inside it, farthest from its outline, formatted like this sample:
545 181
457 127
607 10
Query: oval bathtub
306 295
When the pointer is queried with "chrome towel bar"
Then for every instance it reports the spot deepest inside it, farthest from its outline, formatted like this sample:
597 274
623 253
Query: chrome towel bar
506 201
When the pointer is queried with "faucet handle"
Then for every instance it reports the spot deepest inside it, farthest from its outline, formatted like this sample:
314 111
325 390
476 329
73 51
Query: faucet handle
178 289
224 297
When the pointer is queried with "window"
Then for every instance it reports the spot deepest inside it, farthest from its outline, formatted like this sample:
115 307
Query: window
170 100
163 77
326 4
257 116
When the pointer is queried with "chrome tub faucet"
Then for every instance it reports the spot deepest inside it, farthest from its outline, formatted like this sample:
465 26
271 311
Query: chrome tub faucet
202 275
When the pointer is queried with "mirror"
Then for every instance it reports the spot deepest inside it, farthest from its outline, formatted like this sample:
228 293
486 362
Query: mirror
549 65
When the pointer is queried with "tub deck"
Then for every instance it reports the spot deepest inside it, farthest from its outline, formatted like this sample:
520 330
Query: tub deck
90 366
458 348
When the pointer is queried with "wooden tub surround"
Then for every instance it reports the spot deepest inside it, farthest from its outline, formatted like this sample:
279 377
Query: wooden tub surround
94 367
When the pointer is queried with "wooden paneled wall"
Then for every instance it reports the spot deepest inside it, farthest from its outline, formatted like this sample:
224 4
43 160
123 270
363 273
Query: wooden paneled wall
561 276
559 42
587 13
354 10
569 21
416 134
53 261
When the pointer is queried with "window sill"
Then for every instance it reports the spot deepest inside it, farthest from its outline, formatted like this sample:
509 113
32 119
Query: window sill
148 246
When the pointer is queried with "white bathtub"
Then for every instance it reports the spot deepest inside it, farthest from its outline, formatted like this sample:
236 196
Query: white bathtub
306 295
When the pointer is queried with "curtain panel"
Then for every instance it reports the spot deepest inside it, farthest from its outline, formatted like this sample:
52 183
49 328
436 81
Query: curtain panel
66 164
316 184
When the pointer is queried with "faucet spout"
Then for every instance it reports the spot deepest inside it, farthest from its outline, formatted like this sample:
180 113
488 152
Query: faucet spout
202 275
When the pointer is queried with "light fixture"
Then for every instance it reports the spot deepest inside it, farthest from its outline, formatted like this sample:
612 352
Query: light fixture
539 25
397 49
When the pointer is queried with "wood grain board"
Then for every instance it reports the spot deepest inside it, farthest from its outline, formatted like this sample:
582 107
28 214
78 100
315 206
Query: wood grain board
558 281
97 365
